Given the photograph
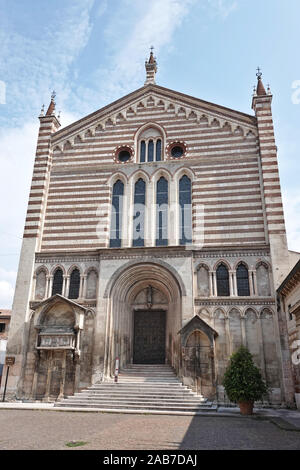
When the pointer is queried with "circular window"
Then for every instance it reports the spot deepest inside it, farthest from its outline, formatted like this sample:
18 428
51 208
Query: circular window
124 155
177 151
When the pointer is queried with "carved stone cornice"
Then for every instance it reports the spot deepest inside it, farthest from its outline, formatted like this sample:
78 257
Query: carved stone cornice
232 302
67 257
150 252
234 252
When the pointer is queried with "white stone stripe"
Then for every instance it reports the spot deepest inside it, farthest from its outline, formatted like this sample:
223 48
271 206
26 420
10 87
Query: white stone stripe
233 235
230 204
228 176
192 145
226 186
47 237
223 228
71 206
69 194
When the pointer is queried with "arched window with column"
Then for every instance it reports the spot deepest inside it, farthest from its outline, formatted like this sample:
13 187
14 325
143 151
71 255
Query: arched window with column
150 144
58 279
223 288
242 279
185 210
138 236
116 215
74 284
162 201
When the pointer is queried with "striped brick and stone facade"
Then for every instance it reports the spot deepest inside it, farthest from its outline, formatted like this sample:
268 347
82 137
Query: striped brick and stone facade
67 329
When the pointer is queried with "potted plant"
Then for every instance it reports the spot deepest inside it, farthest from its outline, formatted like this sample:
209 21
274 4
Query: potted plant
243 381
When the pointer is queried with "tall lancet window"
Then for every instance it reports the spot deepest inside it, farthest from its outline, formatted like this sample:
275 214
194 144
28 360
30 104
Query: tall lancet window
162 199
185 208
116 215
57 285
158 150
223 280
138 236
242 278
143 151
150 151
74 284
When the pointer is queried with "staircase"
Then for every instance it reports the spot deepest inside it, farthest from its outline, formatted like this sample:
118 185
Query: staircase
140 389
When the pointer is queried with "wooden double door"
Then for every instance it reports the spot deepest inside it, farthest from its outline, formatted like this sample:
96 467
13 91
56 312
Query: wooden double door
149 345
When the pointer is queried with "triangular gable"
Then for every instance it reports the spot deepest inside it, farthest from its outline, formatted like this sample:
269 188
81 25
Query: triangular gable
196 323
169 97
54 299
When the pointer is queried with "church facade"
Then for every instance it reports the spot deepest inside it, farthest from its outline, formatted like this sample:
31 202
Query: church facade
154 234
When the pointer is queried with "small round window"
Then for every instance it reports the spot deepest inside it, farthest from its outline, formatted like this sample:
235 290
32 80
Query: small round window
123 154
177 151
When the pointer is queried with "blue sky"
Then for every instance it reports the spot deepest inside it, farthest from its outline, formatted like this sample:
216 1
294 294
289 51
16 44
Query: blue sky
93 51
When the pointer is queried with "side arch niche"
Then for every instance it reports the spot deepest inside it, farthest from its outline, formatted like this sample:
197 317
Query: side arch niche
198 356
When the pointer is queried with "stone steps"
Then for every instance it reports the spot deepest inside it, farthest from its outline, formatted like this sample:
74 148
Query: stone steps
175 400
144 406
148 388
138 395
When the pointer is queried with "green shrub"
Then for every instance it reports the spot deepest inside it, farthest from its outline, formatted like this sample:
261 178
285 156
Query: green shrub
242 379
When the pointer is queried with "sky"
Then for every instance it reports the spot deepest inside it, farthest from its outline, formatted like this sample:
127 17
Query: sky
92 52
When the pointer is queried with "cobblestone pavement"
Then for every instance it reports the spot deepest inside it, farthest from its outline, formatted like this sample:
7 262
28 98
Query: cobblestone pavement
46 430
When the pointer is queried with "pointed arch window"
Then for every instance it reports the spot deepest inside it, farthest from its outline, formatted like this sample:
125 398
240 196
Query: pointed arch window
242 278
222 280
74 284
150 151
57 285
158 150
138 238
185 208
116 215
162 199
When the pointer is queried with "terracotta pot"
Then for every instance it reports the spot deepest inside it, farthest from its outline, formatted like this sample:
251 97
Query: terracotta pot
246 407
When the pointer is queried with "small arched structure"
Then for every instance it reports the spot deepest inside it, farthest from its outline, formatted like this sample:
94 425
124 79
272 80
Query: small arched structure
198 356
150 142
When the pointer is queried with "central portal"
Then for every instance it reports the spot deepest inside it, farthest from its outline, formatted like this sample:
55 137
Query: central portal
149 346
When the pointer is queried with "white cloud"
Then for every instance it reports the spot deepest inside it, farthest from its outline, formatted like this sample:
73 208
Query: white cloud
291 204
222 8
17 150
128 36
7 284
32 67
102 7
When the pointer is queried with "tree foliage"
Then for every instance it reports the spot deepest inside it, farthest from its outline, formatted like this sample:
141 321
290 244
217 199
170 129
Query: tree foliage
242 379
